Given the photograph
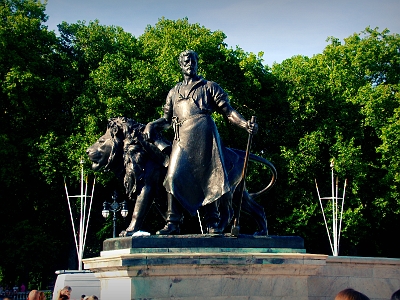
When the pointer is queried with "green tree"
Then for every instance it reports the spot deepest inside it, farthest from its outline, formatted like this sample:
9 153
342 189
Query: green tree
343 104
31 104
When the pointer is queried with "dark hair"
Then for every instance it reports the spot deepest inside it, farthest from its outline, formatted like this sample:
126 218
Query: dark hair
350 294
396 295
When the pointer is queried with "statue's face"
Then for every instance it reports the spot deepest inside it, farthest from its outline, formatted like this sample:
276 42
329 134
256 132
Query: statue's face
188 65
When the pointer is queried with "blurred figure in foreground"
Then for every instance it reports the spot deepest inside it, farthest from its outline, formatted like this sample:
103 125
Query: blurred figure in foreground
93 297
64 293
36 295
396 295
350 294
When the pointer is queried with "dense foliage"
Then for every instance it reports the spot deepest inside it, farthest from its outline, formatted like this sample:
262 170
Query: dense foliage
344 105
57 92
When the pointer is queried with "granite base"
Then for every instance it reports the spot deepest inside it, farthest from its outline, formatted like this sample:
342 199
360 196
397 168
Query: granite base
166 271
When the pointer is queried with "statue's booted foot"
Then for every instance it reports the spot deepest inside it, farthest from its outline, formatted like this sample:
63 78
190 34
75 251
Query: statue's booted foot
263 232
124 233
169 229
128 231
213 229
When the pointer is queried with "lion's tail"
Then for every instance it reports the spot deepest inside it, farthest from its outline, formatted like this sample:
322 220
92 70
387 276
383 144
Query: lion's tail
264 161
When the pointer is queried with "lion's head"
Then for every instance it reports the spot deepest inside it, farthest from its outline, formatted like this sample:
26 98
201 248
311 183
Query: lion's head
123 151
107 152
119 150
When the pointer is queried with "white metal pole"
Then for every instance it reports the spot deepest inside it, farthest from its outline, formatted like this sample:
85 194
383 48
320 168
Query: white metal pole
72 220
323 213
201 227
80 238
336 215
333 213
90 209
341 212
84 207
81 224
84 214
336 228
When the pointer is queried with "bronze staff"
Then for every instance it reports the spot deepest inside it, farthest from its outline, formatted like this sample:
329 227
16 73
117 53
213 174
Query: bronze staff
236 228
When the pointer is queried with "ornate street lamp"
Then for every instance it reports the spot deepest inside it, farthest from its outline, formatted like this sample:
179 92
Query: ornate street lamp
114 207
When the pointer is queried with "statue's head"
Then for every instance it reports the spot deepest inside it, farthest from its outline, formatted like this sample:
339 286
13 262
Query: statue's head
188 62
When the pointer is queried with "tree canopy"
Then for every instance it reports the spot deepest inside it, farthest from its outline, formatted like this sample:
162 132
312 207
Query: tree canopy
342 104
57 92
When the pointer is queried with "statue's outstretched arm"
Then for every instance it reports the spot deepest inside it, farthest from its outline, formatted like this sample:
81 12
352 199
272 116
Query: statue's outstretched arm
237 119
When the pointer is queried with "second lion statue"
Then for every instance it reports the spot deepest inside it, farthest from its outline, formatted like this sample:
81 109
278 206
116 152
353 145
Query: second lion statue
142 166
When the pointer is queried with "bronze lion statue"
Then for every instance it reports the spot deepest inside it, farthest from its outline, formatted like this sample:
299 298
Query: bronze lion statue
142 166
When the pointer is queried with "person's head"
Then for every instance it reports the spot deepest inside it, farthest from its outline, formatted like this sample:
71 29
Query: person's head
350 294
83 297
33 295
93 297
42 296
188 62
65 292
396 295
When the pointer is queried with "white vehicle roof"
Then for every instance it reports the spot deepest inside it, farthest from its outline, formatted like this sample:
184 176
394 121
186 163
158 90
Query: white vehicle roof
82 283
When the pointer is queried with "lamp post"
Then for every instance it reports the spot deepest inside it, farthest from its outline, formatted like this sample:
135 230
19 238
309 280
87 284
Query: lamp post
114 207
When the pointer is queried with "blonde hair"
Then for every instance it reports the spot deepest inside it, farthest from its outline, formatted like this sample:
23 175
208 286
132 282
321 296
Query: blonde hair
33 295
36 295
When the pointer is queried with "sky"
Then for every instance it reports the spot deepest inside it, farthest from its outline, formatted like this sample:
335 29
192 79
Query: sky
278 28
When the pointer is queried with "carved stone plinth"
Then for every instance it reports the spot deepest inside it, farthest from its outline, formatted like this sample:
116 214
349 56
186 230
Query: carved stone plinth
228 272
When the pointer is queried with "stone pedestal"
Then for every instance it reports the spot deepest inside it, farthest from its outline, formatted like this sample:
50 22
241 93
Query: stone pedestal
271 268
203 243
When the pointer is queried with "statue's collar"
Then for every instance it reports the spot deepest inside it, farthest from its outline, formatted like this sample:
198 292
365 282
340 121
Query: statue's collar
191 86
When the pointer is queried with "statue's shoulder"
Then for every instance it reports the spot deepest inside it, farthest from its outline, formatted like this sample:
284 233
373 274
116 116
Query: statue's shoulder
175 89
204 81
210 83
177 86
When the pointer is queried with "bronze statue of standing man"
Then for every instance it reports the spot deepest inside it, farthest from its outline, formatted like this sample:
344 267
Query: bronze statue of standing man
197 173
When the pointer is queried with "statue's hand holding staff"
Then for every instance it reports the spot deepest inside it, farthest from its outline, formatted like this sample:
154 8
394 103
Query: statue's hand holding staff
251 127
